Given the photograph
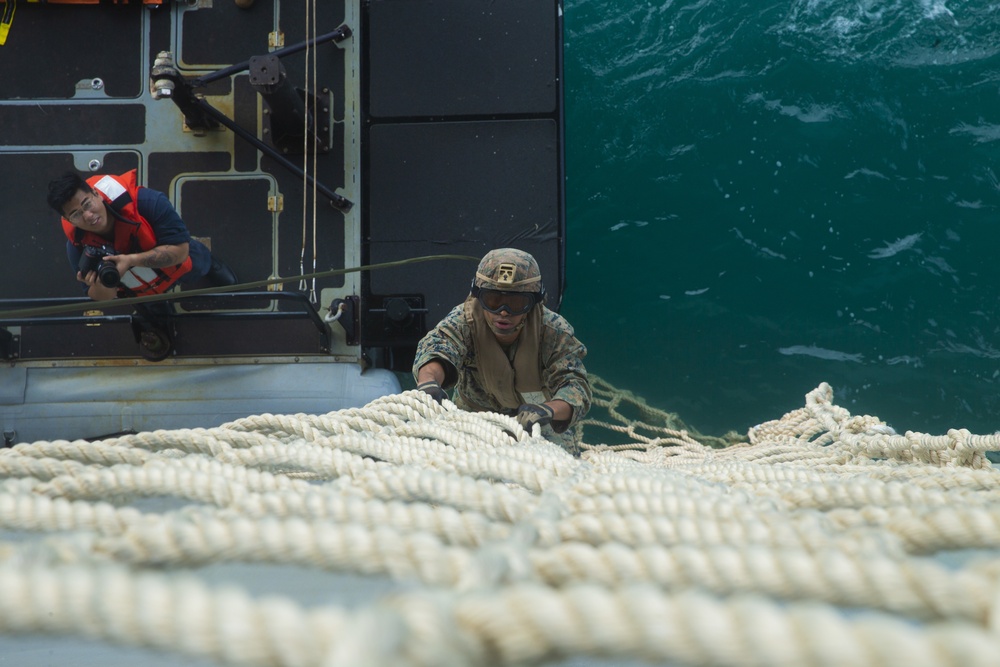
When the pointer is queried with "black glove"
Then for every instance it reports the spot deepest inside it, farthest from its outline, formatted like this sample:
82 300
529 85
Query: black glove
433 389
530 414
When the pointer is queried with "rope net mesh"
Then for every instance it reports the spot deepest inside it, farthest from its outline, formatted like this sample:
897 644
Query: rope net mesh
821 538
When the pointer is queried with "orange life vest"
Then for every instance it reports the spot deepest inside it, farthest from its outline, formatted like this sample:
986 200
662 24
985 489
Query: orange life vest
132 234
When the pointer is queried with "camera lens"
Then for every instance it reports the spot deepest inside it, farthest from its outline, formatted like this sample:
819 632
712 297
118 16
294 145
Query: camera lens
108 275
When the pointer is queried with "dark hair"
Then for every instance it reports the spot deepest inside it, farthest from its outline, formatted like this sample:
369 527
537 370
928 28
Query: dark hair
64 188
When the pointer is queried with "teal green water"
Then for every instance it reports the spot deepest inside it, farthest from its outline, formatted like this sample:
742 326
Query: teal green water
763 196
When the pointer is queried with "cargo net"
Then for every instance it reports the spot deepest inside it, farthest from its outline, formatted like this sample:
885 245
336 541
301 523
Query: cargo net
822 539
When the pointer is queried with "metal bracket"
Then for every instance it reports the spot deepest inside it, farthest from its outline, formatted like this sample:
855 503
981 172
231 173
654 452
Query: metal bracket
10 345
295 120
167 82
348 318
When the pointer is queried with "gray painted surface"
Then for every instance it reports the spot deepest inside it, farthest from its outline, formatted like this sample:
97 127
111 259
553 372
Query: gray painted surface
38 403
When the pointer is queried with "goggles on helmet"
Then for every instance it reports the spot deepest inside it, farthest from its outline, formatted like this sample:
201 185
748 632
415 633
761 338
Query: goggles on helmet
515 303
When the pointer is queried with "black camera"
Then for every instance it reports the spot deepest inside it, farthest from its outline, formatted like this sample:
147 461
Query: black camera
92 259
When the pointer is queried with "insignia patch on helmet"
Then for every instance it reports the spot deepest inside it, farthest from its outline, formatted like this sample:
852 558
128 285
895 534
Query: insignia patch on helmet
507 269
506 273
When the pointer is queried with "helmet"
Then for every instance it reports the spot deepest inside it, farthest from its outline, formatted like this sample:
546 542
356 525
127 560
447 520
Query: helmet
509 270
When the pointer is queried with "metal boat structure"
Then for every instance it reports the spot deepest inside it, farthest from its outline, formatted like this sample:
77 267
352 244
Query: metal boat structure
376 147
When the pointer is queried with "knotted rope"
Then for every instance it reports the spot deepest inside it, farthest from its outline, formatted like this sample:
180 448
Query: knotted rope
821 539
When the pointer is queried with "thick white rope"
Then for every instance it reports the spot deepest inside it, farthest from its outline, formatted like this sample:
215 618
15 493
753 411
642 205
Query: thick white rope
517 625
512 550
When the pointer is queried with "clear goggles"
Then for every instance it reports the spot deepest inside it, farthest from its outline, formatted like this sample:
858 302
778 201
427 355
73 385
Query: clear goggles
515 303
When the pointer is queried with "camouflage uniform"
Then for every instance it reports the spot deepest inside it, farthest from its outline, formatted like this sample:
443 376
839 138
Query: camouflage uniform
560 355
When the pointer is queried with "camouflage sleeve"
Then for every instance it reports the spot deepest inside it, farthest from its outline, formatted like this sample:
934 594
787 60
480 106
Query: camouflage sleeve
448 342
564 373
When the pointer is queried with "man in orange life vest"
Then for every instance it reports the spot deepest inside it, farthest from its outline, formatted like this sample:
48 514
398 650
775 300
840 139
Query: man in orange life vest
110 221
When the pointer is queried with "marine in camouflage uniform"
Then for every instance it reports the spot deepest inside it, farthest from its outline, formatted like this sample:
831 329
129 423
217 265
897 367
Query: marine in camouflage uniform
503 351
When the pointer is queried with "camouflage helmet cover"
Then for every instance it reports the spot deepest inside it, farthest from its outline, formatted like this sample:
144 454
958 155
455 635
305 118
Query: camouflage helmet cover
510 270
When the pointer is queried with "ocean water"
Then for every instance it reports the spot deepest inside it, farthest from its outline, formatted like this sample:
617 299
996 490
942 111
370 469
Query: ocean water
764 195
